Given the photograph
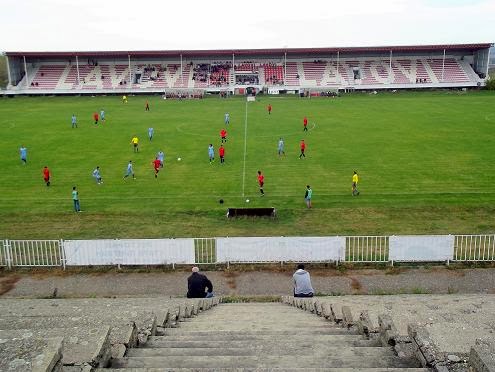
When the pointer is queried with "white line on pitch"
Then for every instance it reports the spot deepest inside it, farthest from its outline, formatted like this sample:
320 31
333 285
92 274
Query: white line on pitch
245 149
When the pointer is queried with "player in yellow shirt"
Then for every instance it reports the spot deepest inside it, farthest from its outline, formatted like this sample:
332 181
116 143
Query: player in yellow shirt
355 180
135 143
124 99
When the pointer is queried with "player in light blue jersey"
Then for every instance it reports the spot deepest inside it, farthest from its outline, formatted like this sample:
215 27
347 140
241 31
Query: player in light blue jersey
150 133
227 118
23 153
74 121
102 115
281 146
129 171
97 175
161 156
211 153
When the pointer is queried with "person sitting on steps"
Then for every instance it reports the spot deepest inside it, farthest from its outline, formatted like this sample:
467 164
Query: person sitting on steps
197 284
302 283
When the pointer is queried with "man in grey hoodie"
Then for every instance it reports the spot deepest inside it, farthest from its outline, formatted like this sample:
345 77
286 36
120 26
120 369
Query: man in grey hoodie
302 283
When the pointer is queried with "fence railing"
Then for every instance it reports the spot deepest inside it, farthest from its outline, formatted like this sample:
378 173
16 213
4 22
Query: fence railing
201 251
205 250
366 249
32 253
474 248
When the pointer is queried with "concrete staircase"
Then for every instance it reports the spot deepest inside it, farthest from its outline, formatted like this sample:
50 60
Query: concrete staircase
261 337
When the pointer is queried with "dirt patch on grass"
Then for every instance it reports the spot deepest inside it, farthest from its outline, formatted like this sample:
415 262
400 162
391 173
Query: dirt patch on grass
8 283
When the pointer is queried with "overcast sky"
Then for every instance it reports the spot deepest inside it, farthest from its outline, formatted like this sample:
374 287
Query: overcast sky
75 25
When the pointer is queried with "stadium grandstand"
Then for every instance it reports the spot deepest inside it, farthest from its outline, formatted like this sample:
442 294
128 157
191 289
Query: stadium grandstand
293 70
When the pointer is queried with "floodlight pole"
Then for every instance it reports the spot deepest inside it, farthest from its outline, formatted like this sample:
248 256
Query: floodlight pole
338 74
233 69
487 62
285 67
443 65
130 71
181 69
390 69
77 68
8 70
26 71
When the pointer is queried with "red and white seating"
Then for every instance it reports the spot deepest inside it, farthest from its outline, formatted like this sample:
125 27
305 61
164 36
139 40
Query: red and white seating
356 72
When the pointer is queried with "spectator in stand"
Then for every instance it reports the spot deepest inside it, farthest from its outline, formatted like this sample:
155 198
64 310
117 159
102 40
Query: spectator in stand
302 283
198 285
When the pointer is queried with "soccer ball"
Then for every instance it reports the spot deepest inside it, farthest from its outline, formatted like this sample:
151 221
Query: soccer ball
247 200
179 159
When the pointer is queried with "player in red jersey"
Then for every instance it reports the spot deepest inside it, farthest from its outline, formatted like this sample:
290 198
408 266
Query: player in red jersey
156 164
46 175
223 135
303 147
269 108
305 123
96 117
221 152
261 182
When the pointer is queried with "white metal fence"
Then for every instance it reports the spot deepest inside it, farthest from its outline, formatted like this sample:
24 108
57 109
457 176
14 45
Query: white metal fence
474 248
200 251
366 249
205 250
32 253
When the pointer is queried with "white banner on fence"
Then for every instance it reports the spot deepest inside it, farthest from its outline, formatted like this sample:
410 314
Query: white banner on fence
129 252
275 249
421 248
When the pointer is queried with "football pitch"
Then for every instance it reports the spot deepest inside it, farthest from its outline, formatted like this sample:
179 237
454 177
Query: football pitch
426 163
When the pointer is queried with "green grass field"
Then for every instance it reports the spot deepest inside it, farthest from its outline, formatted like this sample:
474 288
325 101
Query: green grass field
426 163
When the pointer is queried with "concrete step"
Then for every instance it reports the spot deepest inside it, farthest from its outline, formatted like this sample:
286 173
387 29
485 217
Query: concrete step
317 350
165 342
254 337
242 327
144 369
275 333
265 361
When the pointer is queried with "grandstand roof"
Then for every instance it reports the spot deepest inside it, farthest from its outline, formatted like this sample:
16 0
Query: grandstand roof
228 52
